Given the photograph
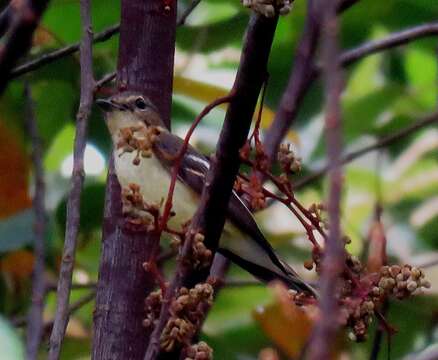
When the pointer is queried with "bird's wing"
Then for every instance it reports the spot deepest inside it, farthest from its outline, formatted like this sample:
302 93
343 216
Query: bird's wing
193 169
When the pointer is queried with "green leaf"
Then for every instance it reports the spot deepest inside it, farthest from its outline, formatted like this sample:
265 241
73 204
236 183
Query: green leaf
92 199
10 343
422 82
207 38
16 231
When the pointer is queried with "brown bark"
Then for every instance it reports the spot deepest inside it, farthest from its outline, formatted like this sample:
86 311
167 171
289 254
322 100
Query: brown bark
147 43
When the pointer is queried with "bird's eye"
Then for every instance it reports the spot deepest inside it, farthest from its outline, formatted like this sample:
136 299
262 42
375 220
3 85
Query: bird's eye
140 103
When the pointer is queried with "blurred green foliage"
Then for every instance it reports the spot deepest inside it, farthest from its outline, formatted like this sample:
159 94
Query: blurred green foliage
383 93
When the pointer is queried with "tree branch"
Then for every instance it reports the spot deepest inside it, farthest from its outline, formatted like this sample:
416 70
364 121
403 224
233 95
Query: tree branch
399 38
145 64
75 306
305 72
52 56
74 199
24 17
58 54
5 20
210 216
187 12
303 75
35 317
401 134
325 330
299 81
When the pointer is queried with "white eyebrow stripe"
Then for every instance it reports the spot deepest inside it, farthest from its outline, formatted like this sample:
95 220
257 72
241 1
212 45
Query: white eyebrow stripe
199 160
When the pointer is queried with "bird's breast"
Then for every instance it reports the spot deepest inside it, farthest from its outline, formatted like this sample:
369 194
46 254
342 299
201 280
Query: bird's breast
154 180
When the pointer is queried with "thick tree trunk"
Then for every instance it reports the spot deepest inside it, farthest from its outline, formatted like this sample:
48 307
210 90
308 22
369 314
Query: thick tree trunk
146 53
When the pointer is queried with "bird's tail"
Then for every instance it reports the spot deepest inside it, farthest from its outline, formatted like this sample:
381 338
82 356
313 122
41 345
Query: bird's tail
284 273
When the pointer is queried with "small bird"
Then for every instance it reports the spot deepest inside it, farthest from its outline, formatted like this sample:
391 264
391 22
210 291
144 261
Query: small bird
242 241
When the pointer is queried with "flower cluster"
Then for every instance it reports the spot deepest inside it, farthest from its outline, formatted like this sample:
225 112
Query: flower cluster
187 312
152 305
289 162
253 189
139 214
201 256
401 281
268 7
363 294
139 139
199 351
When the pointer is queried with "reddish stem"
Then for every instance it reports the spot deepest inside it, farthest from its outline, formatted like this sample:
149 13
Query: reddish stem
179 157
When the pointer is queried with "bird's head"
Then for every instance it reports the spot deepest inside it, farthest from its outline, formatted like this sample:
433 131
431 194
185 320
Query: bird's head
127 109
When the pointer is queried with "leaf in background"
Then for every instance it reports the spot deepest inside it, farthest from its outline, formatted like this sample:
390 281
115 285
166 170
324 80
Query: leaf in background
92 198
18 265
207 38
422 83
207 93
10 343
16 231
413 320
279 322
60 148
14 168
55 111
241 342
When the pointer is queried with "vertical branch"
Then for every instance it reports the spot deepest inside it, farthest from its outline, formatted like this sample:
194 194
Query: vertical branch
209 219
74 199
333 263
145 64
22 17
5 20
299 82
303 75
35 316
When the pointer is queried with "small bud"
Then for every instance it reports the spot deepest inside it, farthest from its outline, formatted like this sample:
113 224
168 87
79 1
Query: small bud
308 264
411 286
425 284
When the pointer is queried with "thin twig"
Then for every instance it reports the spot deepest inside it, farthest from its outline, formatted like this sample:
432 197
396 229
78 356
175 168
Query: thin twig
52 56
58 54
392 40
305 72
303 75
175 170
378 336
299 81
75 306
73 205
5 20
24 18
104 80
325 330
35 316
401 134
90 285
210 216
187 12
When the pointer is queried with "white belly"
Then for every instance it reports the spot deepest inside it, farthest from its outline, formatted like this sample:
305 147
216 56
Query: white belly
154 182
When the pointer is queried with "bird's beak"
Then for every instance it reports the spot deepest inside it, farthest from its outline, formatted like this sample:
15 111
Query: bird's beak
107 105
